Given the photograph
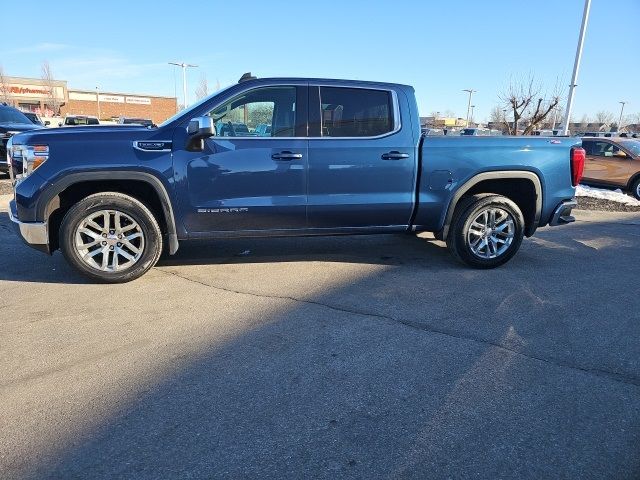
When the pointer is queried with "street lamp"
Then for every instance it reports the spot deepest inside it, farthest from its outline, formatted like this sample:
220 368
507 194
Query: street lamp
184 78
471 92
622 104
576 66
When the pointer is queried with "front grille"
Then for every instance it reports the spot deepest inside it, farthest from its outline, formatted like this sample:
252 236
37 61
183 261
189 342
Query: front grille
3 151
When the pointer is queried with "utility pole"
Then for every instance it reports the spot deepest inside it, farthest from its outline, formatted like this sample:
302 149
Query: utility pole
98 99
576 66
471 92
184 78
622 104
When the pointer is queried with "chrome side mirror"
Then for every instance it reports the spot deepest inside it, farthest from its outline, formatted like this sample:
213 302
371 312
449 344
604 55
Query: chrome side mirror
198 129
201 127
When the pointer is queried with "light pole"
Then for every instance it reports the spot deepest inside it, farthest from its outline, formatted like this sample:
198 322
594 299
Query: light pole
184 78
576 66
622 104
98 99
471 92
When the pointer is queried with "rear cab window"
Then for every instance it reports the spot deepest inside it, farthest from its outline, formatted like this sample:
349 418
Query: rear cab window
355 112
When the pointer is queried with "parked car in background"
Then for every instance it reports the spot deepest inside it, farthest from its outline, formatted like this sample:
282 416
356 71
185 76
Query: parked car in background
233 129
343 157
432 132
135 121
263 130
76 120
612 162
480 132
35 119
12 121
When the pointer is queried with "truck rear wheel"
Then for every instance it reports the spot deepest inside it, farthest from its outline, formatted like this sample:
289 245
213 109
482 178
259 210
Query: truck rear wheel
110 237
486 231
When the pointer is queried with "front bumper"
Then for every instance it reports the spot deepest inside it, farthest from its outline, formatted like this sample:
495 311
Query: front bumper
35 234
562 213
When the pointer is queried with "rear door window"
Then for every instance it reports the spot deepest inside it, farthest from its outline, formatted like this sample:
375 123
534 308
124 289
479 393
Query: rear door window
355 112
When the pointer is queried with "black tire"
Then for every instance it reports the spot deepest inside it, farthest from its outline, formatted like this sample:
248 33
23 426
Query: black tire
124 204
635 188
466 213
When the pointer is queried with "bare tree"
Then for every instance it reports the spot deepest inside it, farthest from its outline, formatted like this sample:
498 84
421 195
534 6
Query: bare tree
497 115
449 114
202 90
604 117
53 101
4 88
529 104
632 119
584 122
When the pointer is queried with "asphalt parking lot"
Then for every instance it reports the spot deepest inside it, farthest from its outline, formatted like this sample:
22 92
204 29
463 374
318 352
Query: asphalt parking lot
349 357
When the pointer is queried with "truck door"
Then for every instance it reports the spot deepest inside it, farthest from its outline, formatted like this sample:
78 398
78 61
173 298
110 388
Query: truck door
252 175
362 163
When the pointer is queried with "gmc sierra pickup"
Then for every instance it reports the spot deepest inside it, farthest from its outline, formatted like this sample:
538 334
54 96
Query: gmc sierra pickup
341 157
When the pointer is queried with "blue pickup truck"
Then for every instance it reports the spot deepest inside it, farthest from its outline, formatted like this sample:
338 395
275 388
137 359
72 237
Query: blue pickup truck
341 157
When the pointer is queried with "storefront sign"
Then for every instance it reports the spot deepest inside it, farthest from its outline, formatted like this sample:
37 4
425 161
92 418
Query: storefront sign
111 98
139 100
33 91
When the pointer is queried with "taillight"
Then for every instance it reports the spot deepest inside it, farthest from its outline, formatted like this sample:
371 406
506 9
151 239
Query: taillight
577 164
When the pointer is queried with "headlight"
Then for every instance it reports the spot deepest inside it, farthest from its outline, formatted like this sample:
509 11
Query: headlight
32 156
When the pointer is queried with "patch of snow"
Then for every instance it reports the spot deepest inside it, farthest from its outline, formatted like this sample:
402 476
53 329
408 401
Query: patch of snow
603 194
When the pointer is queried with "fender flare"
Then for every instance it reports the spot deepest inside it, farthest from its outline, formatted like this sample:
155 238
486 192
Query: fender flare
496 175
50 195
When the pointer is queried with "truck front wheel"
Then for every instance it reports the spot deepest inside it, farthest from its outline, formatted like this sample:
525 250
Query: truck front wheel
486 231
110 237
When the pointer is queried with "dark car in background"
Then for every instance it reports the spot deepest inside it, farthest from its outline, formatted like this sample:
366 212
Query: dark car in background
76 120
135 121
12 121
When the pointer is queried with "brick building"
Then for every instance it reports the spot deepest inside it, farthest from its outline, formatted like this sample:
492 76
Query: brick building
50 98
108 105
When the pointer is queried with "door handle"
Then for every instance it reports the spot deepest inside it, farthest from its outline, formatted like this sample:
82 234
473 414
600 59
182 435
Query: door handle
394 156
286 155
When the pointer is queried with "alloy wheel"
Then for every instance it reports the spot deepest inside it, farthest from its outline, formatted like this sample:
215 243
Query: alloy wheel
109 241
491 233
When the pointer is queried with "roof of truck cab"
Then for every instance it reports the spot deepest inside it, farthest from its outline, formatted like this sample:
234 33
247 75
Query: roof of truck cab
327 81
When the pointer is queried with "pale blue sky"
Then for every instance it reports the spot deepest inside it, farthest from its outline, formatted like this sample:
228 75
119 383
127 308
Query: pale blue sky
439 47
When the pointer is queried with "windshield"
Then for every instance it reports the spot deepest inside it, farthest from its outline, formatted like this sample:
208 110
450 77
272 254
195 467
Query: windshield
193 107
633 145
9 115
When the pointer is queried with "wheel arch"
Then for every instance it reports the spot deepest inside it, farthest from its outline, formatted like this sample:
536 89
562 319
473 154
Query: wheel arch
54 201
504 182
634 178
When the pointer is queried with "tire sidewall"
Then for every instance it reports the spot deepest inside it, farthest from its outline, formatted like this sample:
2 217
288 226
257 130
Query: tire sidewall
126 205
635 189
461 228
